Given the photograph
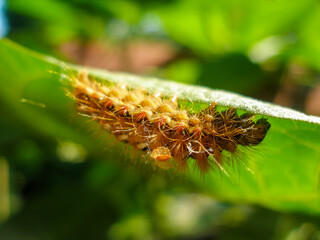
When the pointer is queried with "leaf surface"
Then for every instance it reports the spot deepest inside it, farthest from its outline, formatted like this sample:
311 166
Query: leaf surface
281 173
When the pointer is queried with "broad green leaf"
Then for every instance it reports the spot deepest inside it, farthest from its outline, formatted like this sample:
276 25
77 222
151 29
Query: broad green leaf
281 173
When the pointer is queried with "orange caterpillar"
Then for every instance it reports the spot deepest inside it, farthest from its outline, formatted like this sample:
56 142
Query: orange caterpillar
171 135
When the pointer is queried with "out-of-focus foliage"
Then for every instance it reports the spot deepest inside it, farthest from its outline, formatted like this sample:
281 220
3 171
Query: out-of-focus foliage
241 46
51 188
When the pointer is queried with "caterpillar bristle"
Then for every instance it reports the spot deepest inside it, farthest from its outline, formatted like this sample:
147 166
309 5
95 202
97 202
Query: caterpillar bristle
157 125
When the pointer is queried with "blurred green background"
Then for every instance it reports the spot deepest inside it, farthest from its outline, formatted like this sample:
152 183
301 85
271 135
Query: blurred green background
56 189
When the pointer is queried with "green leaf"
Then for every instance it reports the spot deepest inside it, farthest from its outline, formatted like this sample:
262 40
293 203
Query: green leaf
280 173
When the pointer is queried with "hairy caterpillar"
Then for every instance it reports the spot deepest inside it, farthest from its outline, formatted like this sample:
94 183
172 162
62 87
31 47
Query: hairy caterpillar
171 135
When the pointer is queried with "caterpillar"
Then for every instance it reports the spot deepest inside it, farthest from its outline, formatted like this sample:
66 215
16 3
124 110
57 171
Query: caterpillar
170 135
